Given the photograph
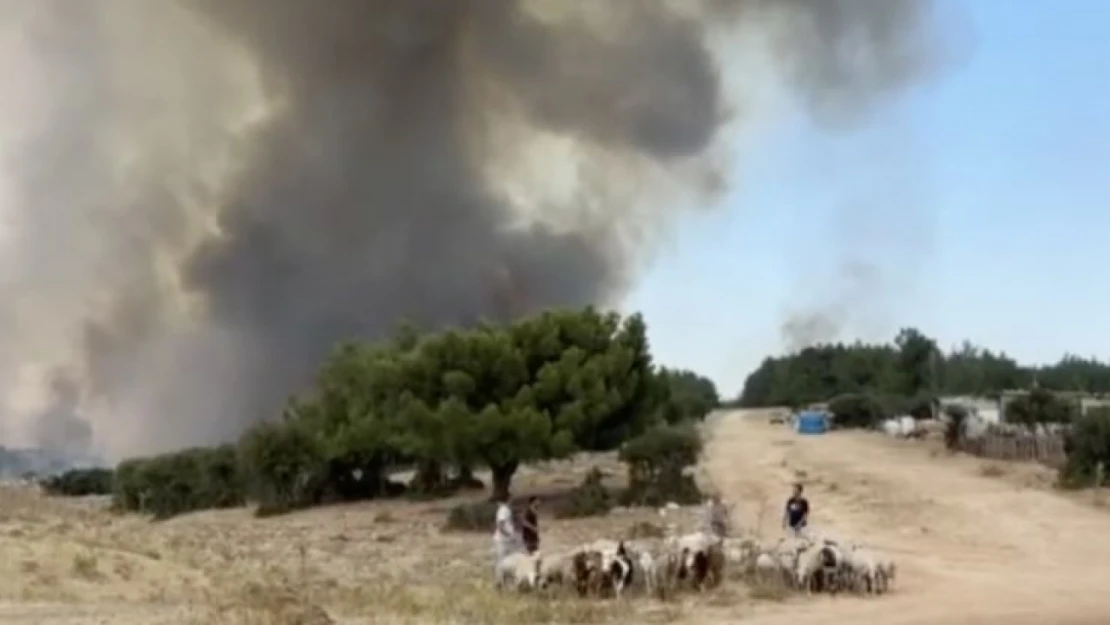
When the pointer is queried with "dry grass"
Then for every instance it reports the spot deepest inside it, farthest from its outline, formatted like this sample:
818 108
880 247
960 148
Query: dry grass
992 470
769 591
377 562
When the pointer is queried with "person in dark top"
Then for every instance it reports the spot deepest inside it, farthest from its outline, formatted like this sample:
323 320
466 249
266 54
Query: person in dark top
530 525
796 515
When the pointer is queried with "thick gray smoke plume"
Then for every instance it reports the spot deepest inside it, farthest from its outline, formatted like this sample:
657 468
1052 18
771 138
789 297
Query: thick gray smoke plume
201 197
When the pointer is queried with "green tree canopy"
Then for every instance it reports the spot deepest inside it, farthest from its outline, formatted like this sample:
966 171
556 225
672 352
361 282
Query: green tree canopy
910 366
691 396
543 387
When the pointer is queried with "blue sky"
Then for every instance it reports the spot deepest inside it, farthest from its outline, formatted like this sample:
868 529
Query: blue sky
984 197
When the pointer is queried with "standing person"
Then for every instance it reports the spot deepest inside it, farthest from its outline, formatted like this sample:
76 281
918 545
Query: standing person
796 515
530 525
716 517
504 533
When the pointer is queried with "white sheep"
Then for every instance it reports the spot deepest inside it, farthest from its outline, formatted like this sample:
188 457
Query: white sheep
740 553
648 559
808 564
870 571
519 570
556 569
786 555
694 542
767 567
887 571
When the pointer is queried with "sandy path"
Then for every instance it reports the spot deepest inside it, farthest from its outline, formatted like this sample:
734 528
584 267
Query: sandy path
68 614
970 549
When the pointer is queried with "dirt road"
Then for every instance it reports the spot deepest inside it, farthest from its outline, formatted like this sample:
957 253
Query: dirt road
970 549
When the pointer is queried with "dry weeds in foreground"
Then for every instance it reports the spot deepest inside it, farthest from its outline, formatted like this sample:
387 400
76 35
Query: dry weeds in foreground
382 562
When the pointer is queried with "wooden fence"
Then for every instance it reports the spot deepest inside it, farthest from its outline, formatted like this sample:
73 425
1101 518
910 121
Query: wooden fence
1047 449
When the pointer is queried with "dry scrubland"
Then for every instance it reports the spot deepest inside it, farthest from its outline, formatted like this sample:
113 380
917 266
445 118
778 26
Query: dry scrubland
977 543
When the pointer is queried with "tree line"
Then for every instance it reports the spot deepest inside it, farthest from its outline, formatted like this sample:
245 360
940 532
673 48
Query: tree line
862 384
443 405
911 365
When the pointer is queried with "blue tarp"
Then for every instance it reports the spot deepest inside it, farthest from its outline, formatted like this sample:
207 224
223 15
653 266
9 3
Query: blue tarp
811 423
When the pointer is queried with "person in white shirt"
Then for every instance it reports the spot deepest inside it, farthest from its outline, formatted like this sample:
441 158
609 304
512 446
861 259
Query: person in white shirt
504 532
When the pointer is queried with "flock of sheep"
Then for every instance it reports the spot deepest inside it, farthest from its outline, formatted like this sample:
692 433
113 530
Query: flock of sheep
698 561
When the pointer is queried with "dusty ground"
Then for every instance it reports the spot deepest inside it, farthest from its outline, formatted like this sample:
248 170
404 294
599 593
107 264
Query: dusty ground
976 543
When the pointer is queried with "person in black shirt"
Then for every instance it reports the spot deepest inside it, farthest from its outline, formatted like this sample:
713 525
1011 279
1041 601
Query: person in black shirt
796 516
530 526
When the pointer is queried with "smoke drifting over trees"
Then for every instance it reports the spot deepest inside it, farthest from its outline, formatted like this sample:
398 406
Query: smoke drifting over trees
201 197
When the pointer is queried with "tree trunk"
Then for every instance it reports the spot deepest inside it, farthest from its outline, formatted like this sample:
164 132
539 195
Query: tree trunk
502 477
429 478
465 479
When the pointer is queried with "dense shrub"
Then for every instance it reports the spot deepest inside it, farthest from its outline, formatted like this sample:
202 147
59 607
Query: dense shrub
1088 448
1041 406
188 480
79 483
657 466
690 396
590 498
857 411
957 415
282 465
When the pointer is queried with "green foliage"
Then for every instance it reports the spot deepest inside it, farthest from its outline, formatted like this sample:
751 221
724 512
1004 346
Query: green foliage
690 396
957 415
657 461
910 366
1040 406
283 466
471 517
588 499
858 410
916 373
79 483
1088 448
486 396
188 480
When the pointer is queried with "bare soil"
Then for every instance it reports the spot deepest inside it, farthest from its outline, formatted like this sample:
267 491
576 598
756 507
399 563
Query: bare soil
975 542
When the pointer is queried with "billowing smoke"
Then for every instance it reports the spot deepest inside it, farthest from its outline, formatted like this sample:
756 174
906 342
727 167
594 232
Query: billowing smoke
202 197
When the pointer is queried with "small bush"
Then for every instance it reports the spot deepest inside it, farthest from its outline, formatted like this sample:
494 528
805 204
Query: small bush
283 465
1088 448
590 498
471 517
957 415
657 462
79 483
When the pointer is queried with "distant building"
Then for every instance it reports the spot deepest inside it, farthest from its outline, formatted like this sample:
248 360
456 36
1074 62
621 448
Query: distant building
986 408
1084 400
